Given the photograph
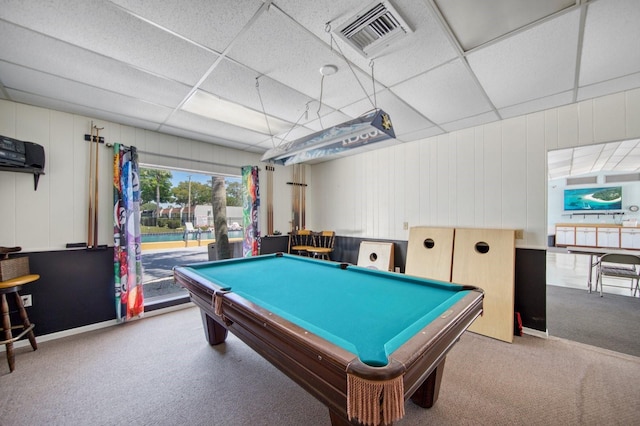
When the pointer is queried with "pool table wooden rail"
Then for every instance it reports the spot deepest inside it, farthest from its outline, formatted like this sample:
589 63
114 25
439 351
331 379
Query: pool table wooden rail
319 366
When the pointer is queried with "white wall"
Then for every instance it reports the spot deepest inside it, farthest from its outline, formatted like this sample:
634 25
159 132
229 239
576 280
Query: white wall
56 214
489 176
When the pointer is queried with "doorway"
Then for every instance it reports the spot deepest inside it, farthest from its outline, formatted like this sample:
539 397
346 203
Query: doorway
573 313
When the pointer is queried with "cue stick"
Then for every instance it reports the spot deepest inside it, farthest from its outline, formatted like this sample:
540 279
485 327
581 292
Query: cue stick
294 200
270 170
95 212
303 190
90 218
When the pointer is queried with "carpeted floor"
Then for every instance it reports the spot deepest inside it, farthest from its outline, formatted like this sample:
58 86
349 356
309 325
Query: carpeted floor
160 371
611 322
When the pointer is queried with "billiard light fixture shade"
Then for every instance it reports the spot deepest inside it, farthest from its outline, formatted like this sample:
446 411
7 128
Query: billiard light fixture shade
354 135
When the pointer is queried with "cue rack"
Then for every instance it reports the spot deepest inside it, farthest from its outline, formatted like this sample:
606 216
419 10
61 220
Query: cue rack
299 187
93 181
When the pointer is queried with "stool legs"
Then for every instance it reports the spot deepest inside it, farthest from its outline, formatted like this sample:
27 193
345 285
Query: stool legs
8 337
6 325
26 325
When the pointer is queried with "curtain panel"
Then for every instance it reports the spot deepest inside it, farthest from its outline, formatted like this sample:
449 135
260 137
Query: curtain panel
250 206
127 260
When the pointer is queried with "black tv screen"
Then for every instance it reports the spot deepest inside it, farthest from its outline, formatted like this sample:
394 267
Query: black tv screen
594 199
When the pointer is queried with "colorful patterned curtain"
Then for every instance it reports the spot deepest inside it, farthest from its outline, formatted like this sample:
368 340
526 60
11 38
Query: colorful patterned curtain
127 263
250 205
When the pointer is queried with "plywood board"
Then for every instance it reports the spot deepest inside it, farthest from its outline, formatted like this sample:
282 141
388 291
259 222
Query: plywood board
493 271
376 255
430 253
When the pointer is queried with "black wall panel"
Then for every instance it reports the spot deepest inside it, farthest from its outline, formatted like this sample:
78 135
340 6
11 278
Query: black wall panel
76 288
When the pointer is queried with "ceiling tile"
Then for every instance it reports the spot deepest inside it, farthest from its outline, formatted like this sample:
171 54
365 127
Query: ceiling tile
537 105
83 110
405 119
35 51
476 120
190 134
237 83
326 121
420 134
532 64
608 87
610 46
225 131
477 22
194 19
279 48
105 28
48 86
445 94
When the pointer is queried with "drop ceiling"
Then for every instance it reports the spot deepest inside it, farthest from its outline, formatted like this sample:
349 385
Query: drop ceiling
461 63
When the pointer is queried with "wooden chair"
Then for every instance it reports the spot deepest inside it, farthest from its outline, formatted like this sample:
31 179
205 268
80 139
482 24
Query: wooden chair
14 274
620 266
323 245
301 241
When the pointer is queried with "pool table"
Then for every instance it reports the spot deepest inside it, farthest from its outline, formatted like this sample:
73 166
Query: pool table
361 341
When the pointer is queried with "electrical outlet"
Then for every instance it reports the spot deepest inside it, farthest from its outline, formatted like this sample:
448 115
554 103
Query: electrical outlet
519 234
27 300
405 225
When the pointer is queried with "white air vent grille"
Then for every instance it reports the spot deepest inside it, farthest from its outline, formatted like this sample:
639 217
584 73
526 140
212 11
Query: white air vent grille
373 29
582 180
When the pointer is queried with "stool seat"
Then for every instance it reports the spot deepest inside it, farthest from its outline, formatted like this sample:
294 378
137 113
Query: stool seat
18 281
12 286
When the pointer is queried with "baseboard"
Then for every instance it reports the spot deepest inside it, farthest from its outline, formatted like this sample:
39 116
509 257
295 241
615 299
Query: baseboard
93 327
536 333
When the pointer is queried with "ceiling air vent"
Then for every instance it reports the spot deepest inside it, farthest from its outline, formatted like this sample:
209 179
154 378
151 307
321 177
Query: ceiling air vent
373 29
582 180
630 177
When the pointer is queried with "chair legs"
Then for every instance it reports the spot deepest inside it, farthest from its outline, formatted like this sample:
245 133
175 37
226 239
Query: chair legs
27 328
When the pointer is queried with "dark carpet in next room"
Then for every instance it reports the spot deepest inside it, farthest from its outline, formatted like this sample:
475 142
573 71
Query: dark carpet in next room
609 322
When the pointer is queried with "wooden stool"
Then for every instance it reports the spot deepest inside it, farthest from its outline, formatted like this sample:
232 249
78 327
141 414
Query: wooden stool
12 286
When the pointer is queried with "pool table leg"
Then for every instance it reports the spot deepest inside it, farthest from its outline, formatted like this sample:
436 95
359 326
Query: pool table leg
215 332
338 419
427 394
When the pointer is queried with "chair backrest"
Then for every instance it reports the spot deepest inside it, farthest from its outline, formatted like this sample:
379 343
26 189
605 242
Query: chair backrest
301 237
626 259
189 226
325 239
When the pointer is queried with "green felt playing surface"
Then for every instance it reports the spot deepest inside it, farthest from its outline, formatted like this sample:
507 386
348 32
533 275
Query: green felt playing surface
370 313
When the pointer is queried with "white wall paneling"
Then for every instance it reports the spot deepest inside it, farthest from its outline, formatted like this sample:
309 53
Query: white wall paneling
465 172
632 112
490 176
536 164
515 161
568 126
609 118
493 176
56 214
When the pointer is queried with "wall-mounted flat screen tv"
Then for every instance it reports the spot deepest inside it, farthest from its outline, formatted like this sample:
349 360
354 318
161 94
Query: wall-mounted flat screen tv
593 199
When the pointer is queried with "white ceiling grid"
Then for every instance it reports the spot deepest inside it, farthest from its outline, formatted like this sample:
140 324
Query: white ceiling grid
464 63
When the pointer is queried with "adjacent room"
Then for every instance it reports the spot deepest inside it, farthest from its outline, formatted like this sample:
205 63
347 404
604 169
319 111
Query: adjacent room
280 212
